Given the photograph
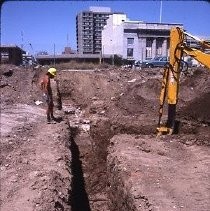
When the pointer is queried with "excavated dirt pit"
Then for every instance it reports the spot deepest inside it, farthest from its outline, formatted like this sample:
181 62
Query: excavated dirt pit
125 166
103 154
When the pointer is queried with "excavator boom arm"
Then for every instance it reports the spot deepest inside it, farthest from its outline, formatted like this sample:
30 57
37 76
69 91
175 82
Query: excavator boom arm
200 56
171 76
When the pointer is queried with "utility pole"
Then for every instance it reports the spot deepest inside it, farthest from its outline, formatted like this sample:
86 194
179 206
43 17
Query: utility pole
68 41
54 54
33 55
161 5
102 53
112 52
21 39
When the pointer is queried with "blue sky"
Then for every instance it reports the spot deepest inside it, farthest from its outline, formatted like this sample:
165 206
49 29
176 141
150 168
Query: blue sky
45 23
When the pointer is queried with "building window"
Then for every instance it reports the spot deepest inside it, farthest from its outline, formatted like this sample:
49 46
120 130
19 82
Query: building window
148 52
149 43
130 41
130 52
159 47
148 48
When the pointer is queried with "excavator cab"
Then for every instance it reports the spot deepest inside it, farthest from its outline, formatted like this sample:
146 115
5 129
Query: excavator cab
172 71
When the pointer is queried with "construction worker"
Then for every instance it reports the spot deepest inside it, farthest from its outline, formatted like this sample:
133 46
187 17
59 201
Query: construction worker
47 93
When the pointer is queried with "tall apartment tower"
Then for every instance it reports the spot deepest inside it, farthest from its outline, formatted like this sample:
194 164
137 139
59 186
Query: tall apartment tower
89 26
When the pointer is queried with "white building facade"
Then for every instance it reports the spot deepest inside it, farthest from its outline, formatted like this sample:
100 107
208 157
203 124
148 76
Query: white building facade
135 40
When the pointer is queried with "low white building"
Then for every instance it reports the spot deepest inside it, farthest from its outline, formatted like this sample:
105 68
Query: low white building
135 40
112 35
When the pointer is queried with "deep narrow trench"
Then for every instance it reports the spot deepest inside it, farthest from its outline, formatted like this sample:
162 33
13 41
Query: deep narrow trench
79 197
89 173
88 166
89 176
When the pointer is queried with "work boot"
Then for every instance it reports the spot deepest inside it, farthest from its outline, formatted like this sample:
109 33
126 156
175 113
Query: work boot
51 122
53 118
48 120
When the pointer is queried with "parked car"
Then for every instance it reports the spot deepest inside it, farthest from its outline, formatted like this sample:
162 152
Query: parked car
161 61
158 61
137 64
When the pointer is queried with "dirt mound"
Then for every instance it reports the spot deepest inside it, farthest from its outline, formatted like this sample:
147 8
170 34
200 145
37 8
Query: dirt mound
194 85
140 97
198 109
195 96
19 85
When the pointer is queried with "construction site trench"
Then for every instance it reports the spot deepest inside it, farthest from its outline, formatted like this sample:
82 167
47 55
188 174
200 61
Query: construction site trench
103 152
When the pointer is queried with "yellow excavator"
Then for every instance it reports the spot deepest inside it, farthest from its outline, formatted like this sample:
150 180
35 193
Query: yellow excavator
171 76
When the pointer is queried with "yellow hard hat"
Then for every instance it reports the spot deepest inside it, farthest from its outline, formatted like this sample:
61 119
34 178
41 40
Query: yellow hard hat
52 71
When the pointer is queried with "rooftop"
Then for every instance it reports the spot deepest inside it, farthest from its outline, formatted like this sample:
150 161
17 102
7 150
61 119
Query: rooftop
99 9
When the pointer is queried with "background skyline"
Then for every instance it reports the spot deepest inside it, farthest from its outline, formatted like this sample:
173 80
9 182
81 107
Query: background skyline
41 25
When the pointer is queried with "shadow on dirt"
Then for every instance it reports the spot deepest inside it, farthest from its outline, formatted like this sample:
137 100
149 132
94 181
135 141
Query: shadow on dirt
79 198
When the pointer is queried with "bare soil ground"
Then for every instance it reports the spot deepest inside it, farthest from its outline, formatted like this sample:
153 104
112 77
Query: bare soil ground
35 156
104 154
